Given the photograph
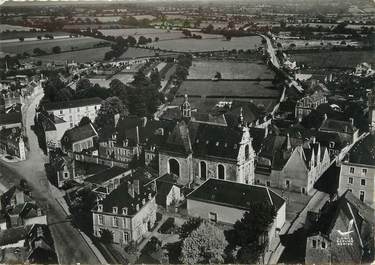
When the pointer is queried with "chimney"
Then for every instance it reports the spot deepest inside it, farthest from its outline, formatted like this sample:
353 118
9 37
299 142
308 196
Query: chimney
136 186
288 144
313 139
325 117
143 201
137 207
144 121
131 189
137 132
351 120
346 128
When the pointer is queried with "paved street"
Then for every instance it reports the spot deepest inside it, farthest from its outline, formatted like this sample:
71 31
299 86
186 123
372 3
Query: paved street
71 247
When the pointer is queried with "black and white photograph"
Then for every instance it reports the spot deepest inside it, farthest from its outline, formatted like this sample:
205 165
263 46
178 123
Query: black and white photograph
187 132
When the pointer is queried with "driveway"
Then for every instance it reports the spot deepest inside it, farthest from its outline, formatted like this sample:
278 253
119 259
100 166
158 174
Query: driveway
70 246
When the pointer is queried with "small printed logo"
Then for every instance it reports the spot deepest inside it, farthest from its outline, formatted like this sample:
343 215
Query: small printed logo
345 238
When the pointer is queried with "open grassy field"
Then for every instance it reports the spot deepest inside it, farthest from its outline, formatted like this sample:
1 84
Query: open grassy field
47 45
5 27
208 44
162 34
133 52
206 105
28 34
228 89
82 56
230 70
334 59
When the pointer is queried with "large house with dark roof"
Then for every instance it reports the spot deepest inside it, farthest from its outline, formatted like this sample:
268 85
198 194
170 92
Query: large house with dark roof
341 232
128 212
358 171
11 120
226 202
73 111
12 143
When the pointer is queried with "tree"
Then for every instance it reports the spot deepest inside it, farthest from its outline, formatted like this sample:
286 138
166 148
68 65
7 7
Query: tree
110 107
209 28
52 87
81 207
84 121
186 32
156 39
39 37
248 231
21 39
83 83
131 41
56 49
206 244
142 40
38 51
106 236
189 226
217 75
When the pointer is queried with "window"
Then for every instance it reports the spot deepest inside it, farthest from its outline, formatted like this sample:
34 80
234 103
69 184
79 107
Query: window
363 182
66 175
350 180
125 236
77 109
351 170
303 190
70 110
268 183
213 217
61 112
71 125
331 144
203 170
323 244
115 221
364 171
314 243
70 118
350 190
257 181
174 167
287 184
220 172
100 219
246 152
362 195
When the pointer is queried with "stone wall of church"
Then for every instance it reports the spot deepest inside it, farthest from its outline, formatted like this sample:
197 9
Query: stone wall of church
185 166
212 170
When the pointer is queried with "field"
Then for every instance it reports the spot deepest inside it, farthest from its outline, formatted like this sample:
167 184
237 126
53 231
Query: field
139 53
28 34
82 56
146 32
334 59
206 105
4 27
208 44
228 89
47 45
230 70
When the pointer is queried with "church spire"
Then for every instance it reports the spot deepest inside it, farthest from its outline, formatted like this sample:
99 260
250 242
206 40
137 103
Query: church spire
186 108
240 119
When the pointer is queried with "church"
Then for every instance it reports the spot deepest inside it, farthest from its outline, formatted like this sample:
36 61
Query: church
195 151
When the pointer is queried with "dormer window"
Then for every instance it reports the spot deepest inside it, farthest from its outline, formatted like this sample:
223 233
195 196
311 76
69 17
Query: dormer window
125 211
114 210
149 196
217 143
143 201
331 144
137 207
100 207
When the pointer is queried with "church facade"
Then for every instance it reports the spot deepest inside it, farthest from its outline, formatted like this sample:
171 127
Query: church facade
196 151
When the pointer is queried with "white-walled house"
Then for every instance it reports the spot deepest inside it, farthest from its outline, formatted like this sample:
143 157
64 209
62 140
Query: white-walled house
358 171
74 110
222 201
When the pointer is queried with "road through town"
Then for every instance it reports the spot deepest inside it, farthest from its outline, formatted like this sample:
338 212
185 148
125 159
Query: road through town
71 247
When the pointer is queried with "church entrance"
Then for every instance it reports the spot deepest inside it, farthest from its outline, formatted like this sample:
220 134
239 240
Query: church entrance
174 167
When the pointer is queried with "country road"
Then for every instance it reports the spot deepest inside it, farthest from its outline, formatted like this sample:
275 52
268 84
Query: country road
70 246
